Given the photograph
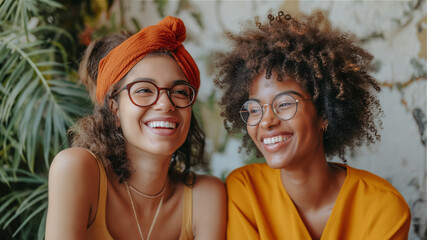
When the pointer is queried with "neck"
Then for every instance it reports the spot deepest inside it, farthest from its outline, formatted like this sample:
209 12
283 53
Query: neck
312 186
150 172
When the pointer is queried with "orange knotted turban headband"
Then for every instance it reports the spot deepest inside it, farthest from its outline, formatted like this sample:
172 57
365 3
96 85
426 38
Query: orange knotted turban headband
168 35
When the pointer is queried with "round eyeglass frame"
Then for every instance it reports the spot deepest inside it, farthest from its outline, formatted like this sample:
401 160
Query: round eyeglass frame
271 105
168 90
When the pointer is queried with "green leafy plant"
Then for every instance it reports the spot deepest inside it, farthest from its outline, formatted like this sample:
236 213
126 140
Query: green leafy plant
40 98
39 102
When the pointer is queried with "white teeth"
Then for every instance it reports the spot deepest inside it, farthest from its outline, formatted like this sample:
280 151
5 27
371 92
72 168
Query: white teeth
276 139
162 124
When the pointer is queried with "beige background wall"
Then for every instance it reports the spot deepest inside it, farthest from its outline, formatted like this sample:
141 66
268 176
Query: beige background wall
393 31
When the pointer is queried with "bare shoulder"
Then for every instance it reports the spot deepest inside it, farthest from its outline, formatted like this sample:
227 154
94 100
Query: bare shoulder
73 192
208 185
73 158
208 190
210 208
75 169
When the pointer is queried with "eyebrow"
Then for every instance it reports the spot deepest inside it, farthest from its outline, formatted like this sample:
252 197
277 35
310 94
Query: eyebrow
175 82
290 92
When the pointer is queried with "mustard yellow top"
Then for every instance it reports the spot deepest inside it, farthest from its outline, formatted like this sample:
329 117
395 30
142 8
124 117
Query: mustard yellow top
98 228
367 207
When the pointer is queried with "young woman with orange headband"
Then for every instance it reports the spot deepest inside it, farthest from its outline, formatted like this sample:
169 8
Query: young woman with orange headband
128 175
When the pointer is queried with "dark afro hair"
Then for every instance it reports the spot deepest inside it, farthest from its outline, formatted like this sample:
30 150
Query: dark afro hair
324 61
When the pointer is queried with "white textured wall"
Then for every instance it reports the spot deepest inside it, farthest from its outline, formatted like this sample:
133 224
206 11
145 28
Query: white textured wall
393 31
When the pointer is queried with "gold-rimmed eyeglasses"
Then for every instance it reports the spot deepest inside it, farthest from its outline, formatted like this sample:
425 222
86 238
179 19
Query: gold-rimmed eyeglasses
284 106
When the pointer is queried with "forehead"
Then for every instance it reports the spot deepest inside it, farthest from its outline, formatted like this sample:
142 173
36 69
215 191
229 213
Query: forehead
266 89
162 69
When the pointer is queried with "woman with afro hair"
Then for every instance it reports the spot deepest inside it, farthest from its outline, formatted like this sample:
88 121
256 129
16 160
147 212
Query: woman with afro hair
302 92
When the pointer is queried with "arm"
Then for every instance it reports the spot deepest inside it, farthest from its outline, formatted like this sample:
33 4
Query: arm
403 223
73 194
240 217
390 220
209 208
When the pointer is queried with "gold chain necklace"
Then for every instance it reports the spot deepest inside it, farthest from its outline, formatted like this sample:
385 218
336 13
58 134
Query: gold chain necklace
146 195
155 216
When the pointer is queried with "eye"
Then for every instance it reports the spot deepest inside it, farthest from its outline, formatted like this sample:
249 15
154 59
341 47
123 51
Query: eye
181 91
285 105
255 111
142 90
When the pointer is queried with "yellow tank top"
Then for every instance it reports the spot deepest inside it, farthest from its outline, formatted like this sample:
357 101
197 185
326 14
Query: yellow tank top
98 228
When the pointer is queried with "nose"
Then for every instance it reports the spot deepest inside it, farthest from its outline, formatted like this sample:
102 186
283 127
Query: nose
164 103
269 119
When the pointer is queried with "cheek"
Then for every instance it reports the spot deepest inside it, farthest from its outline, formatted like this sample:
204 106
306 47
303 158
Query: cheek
186 117
252 133
129 116
311 129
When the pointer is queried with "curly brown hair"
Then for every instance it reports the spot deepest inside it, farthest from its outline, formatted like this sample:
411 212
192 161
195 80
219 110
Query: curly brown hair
97 49
99 134
324 61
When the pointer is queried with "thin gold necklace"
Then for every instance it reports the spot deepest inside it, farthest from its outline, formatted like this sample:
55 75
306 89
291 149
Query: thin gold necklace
147 195
155 216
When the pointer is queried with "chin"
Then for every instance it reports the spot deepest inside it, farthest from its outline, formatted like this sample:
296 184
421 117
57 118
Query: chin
275 162
165 151
159 150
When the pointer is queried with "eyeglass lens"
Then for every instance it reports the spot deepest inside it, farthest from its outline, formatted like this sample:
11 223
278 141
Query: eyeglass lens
284 107
146 93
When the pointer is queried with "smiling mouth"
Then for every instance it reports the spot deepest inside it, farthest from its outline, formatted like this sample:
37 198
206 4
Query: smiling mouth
275 139
162 124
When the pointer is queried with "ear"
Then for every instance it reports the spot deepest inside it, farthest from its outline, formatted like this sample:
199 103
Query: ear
114 108
325 124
